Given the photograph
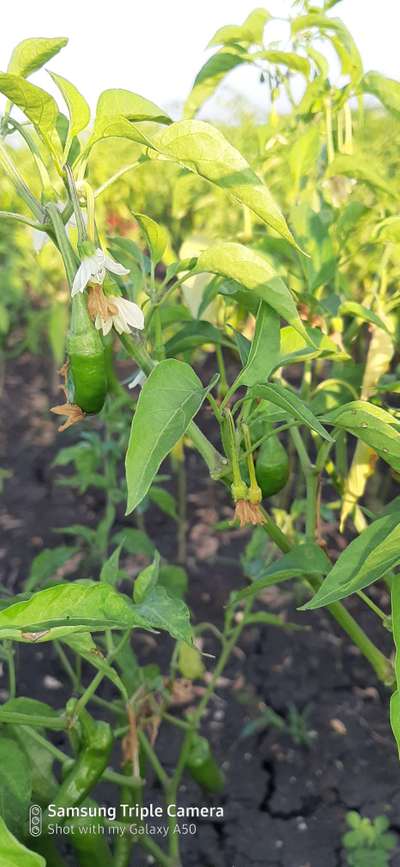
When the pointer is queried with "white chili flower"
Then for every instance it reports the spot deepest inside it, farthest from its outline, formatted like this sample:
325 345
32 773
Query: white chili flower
128 315
93 268
139 379
113 311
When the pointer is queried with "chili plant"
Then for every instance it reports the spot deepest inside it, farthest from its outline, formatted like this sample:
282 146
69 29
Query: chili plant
292 415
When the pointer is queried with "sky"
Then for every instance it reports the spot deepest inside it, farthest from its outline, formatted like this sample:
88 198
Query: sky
155 48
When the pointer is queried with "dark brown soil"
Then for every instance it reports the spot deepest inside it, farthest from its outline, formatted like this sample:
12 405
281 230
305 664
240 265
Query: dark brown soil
285 802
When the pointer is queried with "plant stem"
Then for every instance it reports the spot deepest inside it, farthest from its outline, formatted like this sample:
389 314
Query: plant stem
10 215
66 665
95 683
381 665
172 790
223 384
42 170
63 242
80 223
17 718
109 774
115 177
151 847
329 131
21 187
375 608
182 507
153 759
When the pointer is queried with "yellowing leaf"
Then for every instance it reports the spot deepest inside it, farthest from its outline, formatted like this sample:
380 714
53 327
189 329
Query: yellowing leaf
254 272
203 149
31 54
78 109
38 106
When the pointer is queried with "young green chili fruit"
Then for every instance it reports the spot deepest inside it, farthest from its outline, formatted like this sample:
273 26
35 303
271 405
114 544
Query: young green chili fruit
86 368
202 766
87 377
272 466
92 760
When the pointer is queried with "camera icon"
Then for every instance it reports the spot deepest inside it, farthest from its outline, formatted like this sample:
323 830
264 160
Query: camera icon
35 820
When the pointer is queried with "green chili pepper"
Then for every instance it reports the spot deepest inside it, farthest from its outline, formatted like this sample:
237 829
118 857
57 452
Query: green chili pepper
92 760
87 371
91 849
272 466
202 766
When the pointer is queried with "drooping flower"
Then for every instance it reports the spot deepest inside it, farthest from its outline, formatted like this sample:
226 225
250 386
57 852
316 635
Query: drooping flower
73 414
93 268
113 311
247 513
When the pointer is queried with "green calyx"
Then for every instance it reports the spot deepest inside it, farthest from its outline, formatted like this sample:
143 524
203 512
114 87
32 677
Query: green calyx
272 466
87 371
239 491
86 248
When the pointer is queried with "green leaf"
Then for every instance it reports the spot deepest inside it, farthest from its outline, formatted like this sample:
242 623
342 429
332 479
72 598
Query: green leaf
264 351
359 167
368 557
116 111
251 31
170 398
85 606
15 785
167 613
29 707
210 76
156 236
192 335
15 854
254 272
147 579
110 569
203 149
4 319
387 90
174 579
31 54
124 103
395 699
30 712
294 348
135 542
304 153
361 312
164 500
290 403
303 560
340 37
78 109
37 105
83 645
44 783
395 713
371 424
287 58
46 564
